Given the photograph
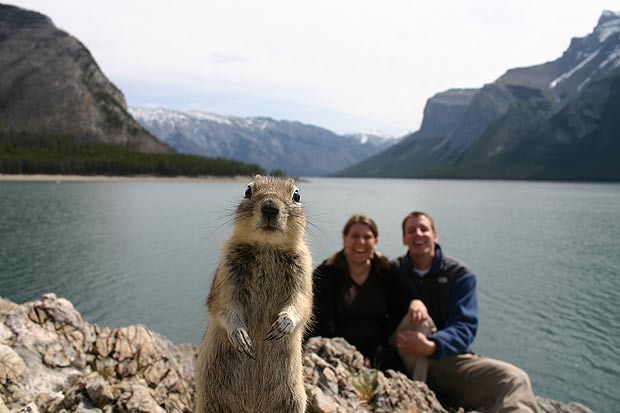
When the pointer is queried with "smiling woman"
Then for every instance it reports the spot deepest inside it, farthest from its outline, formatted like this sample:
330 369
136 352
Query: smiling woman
350 292
360 236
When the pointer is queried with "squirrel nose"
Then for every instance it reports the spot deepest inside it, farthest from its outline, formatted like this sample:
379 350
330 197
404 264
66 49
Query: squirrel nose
269 209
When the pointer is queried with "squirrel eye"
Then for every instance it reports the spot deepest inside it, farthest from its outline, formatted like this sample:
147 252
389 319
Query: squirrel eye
296 196
248 192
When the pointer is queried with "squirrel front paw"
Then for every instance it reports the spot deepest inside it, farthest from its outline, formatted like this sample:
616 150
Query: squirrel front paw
241 341
283 325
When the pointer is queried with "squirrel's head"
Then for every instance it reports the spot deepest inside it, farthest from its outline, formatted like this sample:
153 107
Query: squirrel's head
270 211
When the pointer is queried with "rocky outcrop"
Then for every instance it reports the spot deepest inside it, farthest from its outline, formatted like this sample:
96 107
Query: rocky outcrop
53 361
337 381
51 84
444 112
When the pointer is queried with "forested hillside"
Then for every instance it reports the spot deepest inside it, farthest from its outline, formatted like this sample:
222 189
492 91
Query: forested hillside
28 153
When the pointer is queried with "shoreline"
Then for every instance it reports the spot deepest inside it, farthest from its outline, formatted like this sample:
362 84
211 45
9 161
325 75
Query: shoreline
110 178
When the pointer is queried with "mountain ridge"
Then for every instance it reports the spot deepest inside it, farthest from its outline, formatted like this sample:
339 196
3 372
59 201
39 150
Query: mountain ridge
294 147
524 104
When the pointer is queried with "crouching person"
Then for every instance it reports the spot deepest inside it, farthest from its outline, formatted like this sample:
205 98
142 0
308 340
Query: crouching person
431 289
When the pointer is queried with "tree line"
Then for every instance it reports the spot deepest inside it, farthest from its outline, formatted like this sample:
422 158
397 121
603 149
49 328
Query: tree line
30 153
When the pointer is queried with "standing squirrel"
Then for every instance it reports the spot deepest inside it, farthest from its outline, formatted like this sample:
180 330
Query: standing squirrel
259 305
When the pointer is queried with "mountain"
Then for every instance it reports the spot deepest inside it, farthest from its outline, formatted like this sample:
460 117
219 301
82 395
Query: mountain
444 111
294 147
50 83
581 141
555 120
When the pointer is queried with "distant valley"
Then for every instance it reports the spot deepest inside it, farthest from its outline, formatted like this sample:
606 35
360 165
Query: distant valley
59 113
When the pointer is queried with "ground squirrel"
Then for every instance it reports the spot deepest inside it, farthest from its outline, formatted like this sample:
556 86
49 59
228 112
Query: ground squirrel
259 305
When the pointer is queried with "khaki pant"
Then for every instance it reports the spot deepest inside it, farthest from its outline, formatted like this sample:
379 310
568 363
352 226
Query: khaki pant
488 385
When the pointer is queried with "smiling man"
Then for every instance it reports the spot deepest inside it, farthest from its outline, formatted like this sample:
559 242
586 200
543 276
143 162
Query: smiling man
447 289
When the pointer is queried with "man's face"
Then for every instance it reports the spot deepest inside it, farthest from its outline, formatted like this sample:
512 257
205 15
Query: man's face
420 237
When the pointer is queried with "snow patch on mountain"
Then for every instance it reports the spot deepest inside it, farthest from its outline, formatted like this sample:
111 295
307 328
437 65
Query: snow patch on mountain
159 114
610 27
613 58
371 137
564 76
224 120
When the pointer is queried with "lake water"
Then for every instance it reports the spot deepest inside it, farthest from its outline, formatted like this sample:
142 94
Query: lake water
547 256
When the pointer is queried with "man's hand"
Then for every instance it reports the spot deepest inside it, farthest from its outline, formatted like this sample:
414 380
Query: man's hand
414 343
417 313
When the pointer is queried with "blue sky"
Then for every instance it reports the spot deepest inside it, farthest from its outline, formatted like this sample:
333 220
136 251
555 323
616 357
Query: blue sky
346 65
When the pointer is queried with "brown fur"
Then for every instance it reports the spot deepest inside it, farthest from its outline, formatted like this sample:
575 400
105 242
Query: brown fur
259 305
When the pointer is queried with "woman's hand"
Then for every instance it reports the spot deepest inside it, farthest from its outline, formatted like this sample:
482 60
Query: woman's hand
417 313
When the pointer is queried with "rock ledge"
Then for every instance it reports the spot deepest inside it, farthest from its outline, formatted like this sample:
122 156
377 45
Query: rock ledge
53 361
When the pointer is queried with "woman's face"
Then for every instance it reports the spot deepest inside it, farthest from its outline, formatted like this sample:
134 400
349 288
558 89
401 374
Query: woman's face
359 243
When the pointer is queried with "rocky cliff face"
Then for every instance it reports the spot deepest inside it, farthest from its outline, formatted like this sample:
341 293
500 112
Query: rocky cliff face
487 139
559 82
53 361
296 148
51 84
444 112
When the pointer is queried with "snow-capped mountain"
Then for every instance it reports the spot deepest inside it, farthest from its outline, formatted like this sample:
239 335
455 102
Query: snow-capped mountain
294 147
555 120
588 58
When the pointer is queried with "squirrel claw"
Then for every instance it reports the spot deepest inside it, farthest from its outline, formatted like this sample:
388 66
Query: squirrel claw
282 326
241 341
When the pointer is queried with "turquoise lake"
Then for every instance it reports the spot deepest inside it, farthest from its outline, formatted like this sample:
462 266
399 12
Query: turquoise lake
547 256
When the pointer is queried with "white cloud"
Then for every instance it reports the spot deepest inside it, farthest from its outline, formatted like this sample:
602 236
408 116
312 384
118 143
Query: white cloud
369 63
